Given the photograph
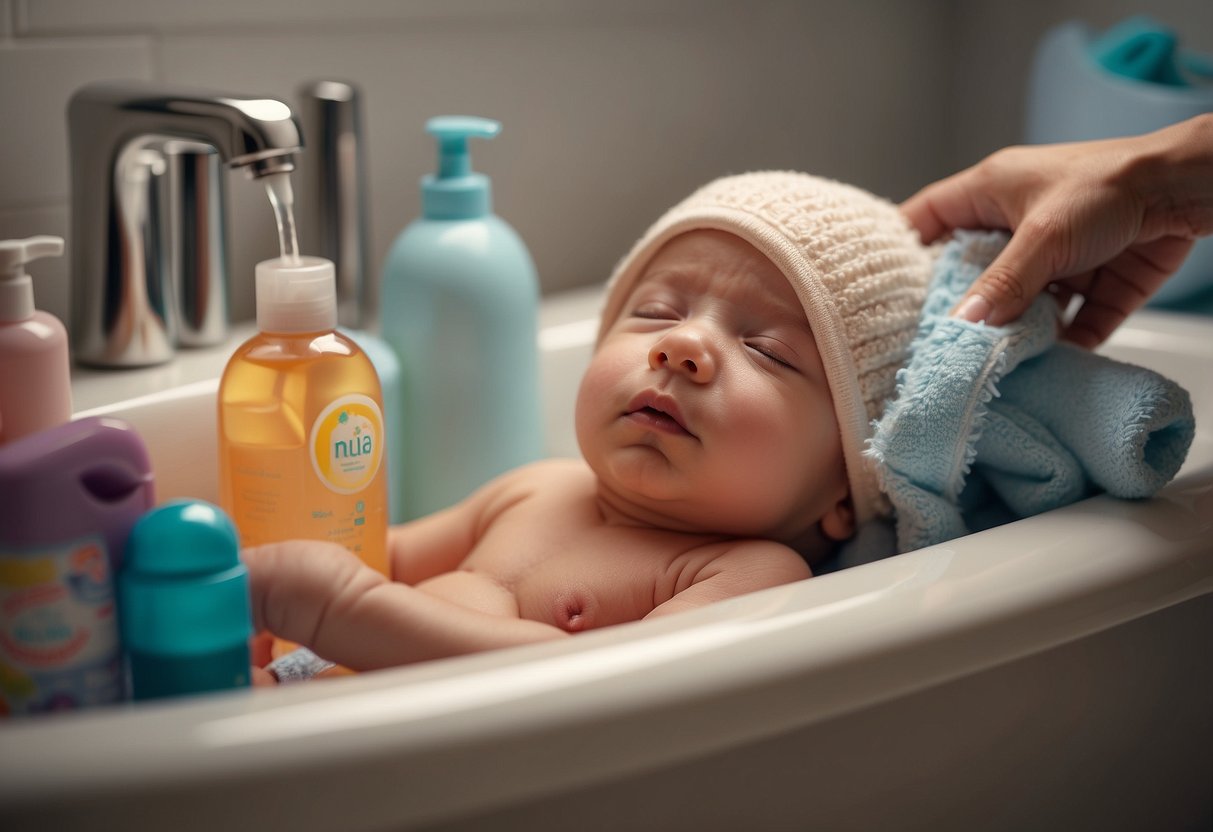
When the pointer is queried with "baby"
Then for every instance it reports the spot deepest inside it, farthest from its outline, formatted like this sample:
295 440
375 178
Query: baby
747 342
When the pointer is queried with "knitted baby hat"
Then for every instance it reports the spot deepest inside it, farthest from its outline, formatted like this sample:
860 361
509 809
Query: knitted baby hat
859 269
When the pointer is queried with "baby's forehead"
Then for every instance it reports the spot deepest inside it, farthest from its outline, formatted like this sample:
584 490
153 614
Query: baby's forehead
705 245
725 265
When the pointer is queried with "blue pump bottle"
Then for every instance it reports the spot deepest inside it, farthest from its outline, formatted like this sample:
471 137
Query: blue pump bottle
184 603
459 305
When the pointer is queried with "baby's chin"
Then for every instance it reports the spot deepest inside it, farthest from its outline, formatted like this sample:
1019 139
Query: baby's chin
639 485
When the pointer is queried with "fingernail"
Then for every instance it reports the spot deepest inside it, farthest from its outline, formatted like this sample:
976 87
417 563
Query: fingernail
975 309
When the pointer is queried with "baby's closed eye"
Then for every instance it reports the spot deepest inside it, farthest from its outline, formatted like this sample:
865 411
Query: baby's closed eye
773 351
655 311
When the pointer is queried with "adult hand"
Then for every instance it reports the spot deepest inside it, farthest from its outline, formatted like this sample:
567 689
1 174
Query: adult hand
1107 220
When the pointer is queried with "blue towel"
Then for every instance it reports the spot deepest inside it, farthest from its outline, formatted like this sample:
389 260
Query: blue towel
994 423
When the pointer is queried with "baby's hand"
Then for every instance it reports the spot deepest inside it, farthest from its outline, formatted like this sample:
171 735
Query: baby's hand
295 583
295 666
262 678
261 651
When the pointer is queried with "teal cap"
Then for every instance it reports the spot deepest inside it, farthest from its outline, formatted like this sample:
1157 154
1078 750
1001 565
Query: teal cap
456 192
183 589
1140 48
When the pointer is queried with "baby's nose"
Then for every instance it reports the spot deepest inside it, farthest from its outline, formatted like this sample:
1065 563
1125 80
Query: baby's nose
686 351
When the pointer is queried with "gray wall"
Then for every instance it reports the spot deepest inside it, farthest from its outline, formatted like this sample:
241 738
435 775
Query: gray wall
611 111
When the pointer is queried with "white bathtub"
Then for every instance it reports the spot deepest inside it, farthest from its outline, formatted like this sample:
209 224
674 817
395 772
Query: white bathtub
1055 673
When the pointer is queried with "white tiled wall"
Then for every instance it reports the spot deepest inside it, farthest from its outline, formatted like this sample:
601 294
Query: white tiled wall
37 76
611 111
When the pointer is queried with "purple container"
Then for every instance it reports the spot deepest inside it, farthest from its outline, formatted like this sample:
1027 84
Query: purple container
69 496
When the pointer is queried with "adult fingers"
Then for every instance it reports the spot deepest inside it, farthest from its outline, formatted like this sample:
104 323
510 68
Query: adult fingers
1123 285
1106 302
946 205
1008 285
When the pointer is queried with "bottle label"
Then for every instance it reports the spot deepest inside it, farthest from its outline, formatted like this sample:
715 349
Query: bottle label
59 642
346 443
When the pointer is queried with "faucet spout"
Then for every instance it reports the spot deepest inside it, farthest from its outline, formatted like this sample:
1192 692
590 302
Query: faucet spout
122 297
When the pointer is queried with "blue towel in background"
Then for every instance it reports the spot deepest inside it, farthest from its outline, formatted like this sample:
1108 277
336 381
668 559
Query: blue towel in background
994 423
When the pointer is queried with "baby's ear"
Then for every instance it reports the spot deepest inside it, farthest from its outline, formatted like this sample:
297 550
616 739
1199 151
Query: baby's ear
839 522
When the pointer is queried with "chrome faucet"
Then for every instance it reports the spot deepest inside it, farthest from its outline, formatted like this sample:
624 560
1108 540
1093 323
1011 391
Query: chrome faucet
124 308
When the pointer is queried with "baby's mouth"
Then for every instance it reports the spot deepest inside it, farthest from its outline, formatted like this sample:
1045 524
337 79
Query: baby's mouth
657 412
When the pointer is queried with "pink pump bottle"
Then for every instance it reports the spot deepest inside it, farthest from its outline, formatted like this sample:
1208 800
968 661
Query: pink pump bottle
35 372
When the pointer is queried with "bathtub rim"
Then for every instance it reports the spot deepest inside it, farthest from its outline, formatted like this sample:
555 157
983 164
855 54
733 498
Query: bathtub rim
872 651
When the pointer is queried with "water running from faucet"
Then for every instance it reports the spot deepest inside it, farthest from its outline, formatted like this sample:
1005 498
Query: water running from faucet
282 198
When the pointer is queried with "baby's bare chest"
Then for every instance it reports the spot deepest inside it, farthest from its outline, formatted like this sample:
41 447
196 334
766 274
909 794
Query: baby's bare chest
574 573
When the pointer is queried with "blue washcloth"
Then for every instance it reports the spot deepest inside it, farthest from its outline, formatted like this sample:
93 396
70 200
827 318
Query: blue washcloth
1006 416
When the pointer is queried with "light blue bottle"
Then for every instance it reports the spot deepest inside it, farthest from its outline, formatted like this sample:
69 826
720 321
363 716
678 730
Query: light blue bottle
183 602
459 305
387 366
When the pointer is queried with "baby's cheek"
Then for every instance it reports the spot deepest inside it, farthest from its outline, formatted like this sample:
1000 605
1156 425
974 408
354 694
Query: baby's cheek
595 394
761 426
583 412
775 462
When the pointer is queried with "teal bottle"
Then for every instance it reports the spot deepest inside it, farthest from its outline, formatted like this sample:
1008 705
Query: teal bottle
184 605
459 304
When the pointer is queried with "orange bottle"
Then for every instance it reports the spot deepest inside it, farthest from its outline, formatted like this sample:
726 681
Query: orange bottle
301 430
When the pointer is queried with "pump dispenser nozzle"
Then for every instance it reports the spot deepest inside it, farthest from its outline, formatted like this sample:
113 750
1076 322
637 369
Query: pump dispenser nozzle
456 192
16 287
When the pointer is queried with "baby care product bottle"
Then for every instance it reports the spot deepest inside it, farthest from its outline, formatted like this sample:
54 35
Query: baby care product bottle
301 432
71 495
35 372
334 217
184 598
387 367
459 304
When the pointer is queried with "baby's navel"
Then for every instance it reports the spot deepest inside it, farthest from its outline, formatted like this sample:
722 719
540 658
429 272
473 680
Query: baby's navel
573 612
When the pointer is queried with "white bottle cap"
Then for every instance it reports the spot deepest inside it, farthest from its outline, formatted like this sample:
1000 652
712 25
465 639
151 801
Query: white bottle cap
296 296
16 288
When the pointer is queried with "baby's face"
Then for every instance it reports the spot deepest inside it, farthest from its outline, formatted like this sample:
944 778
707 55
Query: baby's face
706 406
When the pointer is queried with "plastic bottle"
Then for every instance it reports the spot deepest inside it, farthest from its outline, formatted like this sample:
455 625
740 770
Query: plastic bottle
459 304
71 495
184 597
301 435
387 367
333 217
35 371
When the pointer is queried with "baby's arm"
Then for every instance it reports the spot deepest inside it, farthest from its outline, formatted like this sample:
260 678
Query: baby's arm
747 566
439 542
321 596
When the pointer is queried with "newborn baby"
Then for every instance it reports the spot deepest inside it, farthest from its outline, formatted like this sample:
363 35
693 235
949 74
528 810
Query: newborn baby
747 342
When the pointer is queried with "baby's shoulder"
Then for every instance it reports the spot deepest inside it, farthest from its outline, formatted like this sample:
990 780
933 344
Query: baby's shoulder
552 476
548 480
756 557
